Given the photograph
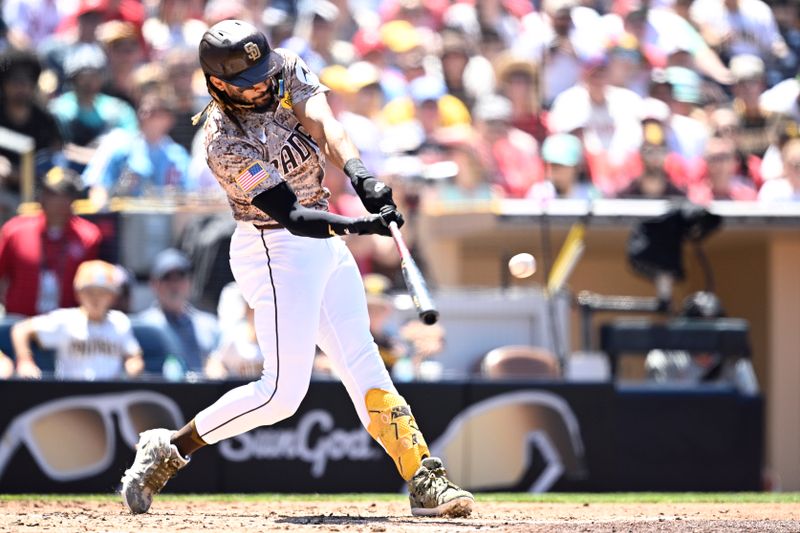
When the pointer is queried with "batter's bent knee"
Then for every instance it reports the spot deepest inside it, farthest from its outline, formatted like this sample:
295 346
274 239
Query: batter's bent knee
281 403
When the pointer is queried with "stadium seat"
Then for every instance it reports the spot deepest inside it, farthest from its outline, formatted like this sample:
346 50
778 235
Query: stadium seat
45 359
156 344
519 361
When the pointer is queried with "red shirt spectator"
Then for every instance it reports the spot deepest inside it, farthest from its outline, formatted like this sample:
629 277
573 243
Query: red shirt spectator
512 154
720 179
48 247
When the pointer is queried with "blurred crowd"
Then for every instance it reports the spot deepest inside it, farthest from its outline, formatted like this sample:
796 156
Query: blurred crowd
70 315
453 99
448 101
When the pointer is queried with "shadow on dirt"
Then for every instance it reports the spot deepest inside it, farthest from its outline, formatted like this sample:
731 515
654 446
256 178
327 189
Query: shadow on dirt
344 520
331 520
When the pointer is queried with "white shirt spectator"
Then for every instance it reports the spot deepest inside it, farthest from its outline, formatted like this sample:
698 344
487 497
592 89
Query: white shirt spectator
561 70
86 350
782 99
778 190
36 19
687 136
613 128
750 30
239 353
665 32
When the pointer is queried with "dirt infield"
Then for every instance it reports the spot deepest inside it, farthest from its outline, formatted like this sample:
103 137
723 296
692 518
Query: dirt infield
87 515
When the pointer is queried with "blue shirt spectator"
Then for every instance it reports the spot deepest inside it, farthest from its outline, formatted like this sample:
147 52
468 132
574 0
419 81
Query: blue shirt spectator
84 113
144 163
196 332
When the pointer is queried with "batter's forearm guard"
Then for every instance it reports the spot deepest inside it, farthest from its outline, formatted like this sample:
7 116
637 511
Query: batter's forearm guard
393 426
281 204
374 194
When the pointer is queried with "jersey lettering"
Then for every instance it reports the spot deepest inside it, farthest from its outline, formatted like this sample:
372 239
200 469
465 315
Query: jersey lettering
297 150
288 161
88 347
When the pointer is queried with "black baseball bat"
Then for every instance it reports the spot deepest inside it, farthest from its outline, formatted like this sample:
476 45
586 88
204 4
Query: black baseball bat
417 288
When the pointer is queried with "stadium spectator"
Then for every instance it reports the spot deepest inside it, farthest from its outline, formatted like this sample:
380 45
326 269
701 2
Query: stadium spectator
123 48
426 92
788 20
663 33
653 182
560 38
196 332
748 75
92 341
147 164
84 113
176 24
562 154
279 19
737 27
725 123
783 99
362 103
722 181
606 119
686 135
78 30
21 112
787 187
238 355
382 325
322 41
30 22
467 76
468 178
627 66
405 42
517 80
512 155
180 69
40 254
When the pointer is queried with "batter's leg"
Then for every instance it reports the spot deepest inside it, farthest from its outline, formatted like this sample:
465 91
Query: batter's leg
344 336
283 278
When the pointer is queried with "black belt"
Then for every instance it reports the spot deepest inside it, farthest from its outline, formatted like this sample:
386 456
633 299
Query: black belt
273 225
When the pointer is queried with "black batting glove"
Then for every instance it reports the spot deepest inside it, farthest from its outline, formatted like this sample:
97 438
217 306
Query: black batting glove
391 214
370 225
374 193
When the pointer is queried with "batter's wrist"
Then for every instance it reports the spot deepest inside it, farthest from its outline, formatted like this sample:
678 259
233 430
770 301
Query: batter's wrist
356 171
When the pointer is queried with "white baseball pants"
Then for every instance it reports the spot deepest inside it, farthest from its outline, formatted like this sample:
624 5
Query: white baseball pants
305 292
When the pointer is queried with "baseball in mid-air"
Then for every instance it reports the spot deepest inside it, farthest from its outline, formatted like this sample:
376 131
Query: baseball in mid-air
522 265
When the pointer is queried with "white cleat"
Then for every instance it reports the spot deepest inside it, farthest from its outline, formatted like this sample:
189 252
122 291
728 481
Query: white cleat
157 461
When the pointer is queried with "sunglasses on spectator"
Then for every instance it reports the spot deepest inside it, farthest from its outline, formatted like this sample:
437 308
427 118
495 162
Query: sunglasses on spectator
718 158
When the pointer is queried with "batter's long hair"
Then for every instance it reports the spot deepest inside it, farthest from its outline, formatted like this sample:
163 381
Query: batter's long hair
228 106
221 100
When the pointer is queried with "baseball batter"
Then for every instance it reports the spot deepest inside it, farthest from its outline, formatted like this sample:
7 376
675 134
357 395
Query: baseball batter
269 133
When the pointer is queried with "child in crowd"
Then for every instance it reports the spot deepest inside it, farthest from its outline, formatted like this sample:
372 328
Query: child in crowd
92 341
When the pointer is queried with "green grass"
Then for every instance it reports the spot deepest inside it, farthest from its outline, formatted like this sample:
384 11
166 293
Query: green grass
567 498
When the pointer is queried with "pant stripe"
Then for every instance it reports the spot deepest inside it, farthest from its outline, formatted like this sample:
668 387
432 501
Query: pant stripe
277 346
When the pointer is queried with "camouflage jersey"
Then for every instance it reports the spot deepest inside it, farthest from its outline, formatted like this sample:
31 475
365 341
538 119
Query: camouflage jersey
273 147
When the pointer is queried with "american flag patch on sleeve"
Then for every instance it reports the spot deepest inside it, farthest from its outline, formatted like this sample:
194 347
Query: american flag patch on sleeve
251 176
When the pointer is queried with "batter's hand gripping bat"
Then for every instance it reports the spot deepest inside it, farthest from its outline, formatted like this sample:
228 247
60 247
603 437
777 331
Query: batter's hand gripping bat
415 283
